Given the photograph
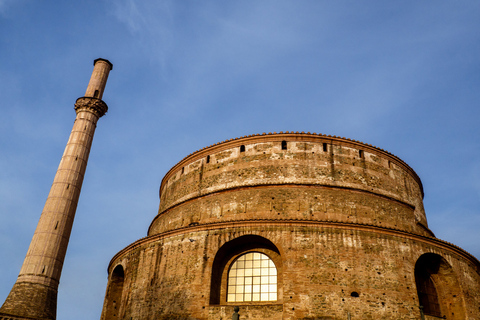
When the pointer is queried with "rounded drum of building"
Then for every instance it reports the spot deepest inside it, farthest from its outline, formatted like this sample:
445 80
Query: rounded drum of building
291 226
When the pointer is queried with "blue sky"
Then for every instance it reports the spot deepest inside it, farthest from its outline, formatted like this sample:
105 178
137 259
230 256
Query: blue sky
401 75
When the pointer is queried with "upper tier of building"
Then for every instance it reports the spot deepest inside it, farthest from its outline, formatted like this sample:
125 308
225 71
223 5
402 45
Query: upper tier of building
289 158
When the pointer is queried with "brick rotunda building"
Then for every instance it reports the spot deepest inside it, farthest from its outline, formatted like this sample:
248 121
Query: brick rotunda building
292 226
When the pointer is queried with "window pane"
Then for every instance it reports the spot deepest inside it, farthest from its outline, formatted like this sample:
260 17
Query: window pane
252 277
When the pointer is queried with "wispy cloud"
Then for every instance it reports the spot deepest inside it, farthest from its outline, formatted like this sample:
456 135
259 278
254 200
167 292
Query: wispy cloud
150 23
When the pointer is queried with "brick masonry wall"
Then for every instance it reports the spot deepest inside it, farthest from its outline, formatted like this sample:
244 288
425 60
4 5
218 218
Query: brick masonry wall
315 162
343 222
322 266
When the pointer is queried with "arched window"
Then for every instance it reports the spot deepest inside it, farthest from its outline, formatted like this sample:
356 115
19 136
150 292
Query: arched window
114 293
252 277
425 268
284 145
247 269
242 148
438 289
427 294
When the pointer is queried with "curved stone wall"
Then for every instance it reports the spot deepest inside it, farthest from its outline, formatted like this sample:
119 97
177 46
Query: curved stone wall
169 276
342 221
293 160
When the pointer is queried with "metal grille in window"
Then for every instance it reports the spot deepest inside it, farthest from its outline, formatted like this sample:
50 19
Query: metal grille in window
427 295
252 277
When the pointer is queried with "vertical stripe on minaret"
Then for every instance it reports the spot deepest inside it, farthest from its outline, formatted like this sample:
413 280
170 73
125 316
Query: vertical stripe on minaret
34 294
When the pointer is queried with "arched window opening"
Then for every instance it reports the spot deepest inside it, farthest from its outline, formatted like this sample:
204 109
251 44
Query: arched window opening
252 277
284 145
242 148
208 159
427 266
438 288
96 94
247 269
114 293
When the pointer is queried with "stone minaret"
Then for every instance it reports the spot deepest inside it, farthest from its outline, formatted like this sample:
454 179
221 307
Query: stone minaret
34 294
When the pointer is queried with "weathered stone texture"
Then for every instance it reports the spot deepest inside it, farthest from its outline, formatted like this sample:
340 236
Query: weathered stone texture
343 223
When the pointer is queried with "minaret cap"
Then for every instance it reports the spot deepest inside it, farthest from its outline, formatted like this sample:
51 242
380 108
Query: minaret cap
101 59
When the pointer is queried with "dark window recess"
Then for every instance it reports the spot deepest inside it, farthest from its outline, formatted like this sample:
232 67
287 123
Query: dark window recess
324 147
208 159
355 294
96 94
183 170
427 293
361 154
242 148
284 145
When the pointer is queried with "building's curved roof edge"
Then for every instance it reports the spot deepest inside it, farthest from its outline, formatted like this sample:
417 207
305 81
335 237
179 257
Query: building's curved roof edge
365 226
229 142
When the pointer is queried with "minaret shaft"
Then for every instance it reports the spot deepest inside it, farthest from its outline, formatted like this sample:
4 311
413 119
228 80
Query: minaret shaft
44 260
34 294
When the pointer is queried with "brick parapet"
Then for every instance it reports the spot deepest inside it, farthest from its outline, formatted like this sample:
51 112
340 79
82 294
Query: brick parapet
296 136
